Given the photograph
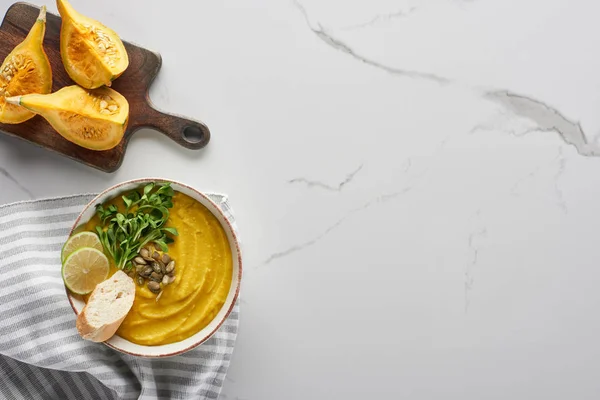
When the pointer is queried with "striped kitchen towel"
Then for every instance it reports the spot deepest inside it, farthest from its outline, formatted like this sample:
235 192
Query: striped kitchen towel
41 354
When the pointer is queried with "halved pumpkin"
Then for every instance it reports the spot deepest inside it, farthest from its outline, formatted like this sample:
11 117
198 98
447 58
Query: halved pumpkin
95 119
93 54
25 70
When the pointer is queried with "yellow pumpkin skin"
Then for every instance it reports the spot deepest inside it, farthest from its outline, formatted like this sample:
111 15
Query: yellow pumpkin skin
92 53
94 119
25 70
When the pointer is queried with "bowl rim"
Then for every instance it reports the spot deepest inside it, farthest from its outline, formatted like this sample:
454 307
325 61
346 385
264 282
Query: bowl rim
229 226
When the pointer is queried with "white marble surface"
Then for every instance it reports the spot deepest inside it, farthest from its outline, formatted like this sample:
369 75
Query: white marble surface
416 183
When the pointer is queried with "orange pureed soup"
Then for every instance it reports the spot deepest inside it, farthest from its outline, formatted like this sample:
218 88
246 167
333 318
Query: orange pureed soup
203 277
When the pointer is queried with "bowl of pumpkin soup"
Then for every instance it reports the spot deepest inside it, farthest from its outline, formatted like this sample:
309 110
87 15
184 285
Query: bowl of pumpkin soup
179 249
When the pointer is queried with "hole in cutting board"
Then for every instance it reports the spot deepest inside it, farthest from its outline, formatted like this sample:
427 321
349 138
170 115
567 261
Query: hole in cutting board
193 134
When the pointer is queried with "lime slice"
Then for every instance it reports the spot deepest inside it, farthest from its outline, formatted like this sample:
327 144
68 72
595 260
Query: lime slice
81 240
84 269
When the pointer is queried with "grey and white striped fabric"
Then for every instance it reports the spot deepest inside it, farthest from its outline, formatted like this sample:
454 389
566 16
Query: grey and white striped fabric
41 353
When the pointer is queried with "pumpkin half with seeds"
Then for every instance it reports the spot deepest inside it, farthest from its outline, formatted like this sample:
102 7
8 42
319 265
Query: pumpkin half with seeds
95 119
93 54
25 70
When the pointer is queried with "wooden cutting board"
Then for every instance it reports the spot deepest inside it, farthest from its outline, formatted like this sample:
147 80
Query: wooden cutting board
133 84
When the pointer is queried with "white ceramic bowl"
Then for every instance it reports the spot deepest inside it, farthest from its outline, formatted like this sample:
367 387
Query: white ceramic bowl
167 350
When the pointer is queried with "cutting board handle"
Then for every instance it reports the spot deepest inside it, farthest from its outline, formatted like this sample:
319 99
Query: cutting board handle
188 133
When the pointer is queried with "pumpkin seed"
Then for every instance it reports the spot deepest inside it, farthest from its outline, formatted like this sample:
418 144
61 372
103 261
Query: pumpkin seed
140 260
147 254
166 258
160 294
156 256
166 280
170 268
162 267
172 275
140 281
156 277
146 272
156 267
154 286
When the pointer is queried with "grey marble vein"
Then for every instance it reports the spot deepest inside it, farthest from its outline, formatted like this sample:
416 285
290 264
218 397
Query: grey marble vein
547 118
514 191
474 249
11 178
295 248
325 186
304 245
379 18
337 44
562 164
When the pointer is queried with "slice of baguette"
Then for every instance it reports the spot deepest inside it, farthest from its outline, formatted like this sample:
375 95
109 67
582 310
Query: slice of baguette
106 308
